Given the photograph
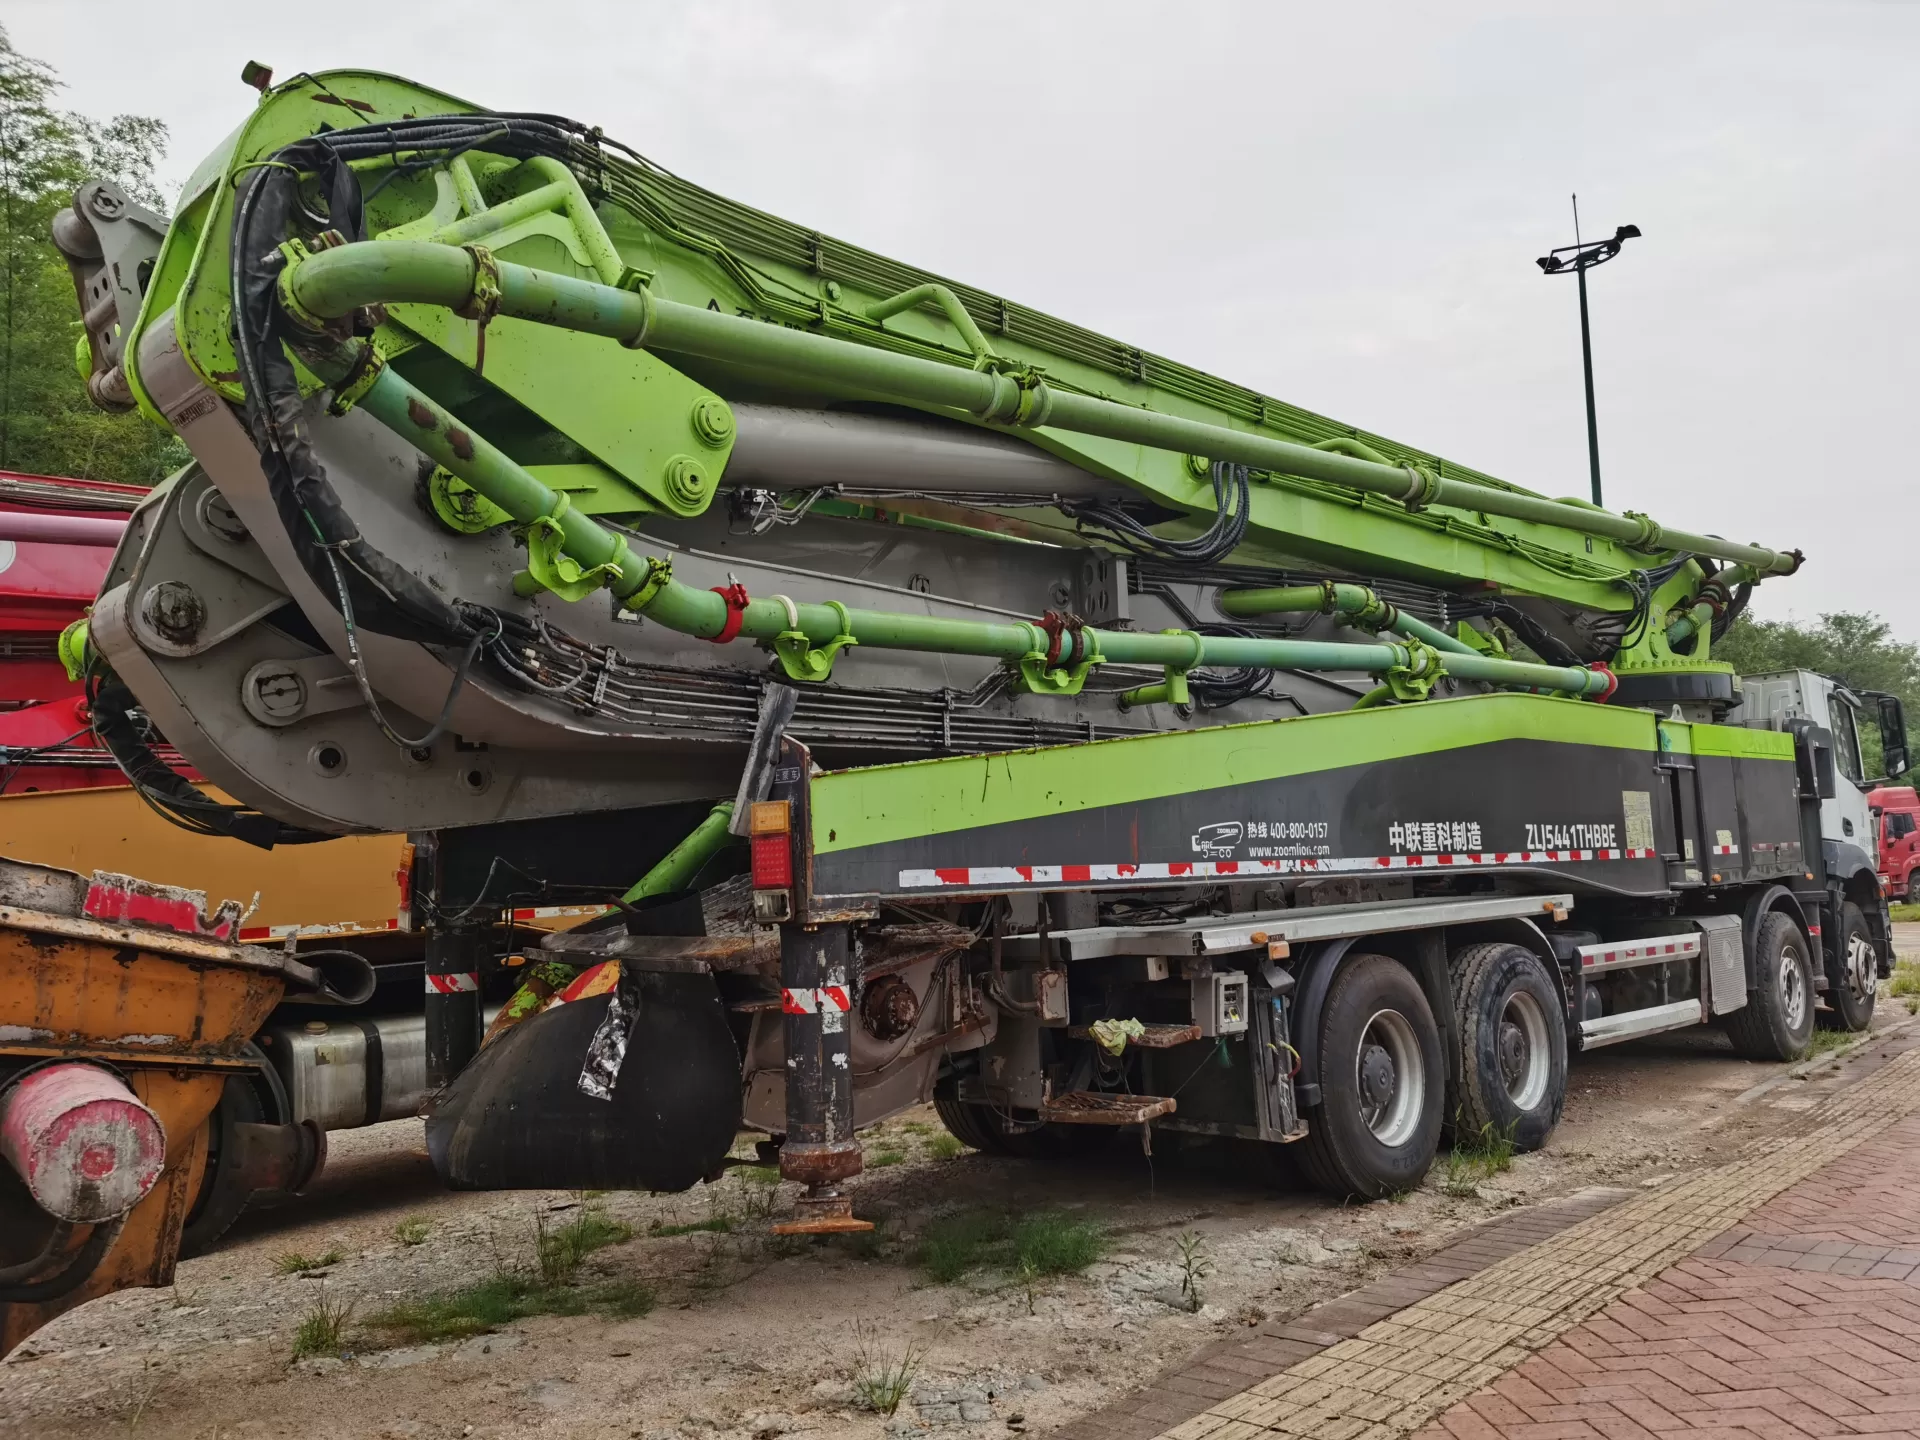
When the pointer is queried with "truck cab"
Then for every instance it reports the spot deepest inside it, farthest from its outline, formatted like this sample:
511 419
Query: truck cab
1896 828
1829 719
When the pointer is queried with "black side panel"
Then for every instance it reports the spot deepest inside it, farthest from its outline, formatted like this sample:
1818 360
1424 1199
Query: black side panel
1582 814
1769 823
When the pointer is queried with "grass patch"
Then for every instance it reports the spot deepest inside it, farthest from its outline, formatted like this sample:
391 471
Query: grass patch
294 1263
322 1329
1477 1156
1827 1040
882 1377
500 1299
712 1225
560 1249
1046 1242
1902 911
413 1230
945 1147
916 1127
885 1158
1905 980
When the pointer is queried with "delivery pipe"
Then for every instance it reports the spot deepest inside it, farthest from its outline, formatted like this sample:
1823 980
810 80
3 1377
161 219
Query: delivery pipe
1352 604
60 529
338 281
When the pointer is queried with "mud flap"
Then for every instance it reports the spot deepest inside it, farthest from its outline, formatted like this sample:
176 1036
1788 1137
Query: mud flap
516 1119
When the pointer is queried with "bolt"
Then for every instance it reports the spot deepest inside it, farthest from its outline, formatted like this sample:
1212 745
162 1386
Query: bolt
279 691
219 518
173 609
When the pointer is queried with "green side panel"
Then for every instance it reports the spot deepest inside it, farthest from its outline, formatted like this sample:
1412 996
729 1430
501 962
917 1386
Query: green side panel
883 803
1743 744
629 409
1676 737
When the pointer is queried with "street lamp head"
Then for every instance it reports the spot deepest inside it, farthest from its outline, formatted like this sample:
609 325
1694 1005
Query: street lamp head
1627 232
1549 263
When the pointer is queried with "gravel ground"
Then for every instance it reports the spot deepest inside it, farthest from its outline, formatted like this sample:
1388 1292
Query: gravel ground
751 1335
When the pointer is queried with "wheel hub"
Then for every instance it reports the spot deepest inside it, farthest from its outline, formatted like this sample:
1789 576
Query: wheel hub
1860 964
1513 1053
1793 993
1377 1076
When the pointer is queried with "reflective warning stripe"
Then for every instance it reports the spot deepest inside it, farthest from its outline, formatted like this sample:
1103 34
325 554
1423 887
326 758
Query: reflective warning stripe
828 998
1631 952
452 984
999 876
1726 849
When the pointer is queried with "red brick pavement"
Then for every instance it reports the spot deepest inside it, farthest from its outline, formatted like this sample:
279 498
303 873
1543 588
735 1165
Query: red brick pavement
1803 1321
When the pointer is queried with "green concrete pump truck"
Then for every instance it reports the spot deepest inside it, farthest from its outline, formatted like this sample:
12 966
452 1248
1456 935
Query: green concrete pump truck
947 702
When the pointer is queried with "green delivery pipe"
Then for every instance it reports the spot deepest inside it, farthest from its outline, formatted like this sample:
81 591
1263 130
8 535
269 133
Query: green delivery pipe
436 432
679 865
338 281
1352 603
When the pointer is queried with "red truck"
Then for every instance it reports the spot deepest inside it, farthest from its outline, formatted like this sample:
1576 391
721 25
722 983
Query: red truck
1896 831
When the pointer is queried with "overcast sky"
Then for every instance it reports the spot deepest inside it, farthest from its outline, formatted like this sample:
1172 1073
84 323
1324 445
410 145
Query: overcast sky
1338 205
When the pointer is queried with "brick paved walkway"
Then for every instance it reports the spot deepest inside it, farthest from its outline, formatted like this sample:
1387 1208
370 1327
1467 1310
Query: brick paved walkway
1227 1367
1633 1321
1802 1321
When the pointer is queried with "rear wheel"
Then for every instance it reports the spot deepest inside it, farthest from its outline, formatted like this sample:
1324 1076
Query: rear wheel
1381 1083
1513 1046
220 1199
1776 1023
1853 989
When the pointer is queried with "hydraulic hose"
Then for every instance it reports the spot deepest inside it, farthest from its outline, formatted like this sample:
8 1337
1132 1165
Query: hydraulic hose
338 281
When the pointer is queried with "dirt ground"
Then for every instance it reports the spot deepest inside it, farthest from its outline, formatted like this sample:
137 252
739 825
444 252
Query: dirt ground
753 1336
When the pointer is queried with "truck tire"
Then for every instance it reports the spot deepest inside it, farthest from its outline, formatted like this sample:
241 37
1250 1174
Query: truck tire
220 1199
1776 1023
1854 988
1382 1083
1513 1046
978 1128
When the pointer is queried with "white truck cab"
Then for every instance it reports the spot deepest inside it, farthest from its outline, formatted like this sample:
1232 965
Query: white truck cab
1831 715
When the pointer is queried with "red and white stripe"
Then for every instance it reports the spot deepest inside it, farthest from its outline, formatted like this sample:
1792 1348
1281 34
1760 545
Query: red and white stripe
1726 849
458 983
824 999
1000 876
1679 947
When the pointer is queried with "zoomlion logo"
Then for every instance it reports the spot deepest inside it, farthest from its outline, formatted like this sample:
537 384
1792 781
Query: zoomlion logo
1218 841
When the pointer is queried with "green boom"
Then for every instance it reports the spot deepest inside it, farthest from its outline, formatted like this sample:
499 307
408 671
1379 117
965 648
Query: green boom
338 282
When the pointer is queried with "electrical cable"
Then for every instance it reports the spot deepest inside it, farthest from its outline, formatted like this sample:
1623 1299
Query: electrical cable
1231 502
357 664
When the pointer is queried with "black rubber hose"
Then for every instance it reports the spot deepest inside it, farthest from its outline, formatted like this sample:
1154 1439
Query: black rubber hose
76 1272
348 976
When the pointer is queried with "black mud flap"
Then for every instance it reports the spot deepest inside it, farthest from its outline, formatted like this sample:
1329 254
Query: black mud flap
517 1119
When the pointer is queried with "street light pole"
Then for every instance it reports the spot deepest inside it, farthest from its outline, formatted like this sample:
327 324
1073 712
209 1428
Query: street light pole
1579 259
1586 360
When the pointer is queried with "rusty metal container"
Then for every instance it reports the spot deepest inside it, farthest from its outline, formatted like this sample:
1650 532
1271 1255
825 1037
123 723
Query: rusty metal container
136 981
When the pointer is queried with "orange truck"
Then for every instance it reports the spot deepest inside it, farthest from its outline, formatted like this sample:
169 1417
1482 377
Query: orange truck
272 1058
126 1013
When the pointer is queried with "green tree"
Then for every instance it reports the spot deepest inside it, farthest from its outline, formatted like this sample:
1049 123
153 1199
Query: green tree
1859 650
47 423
